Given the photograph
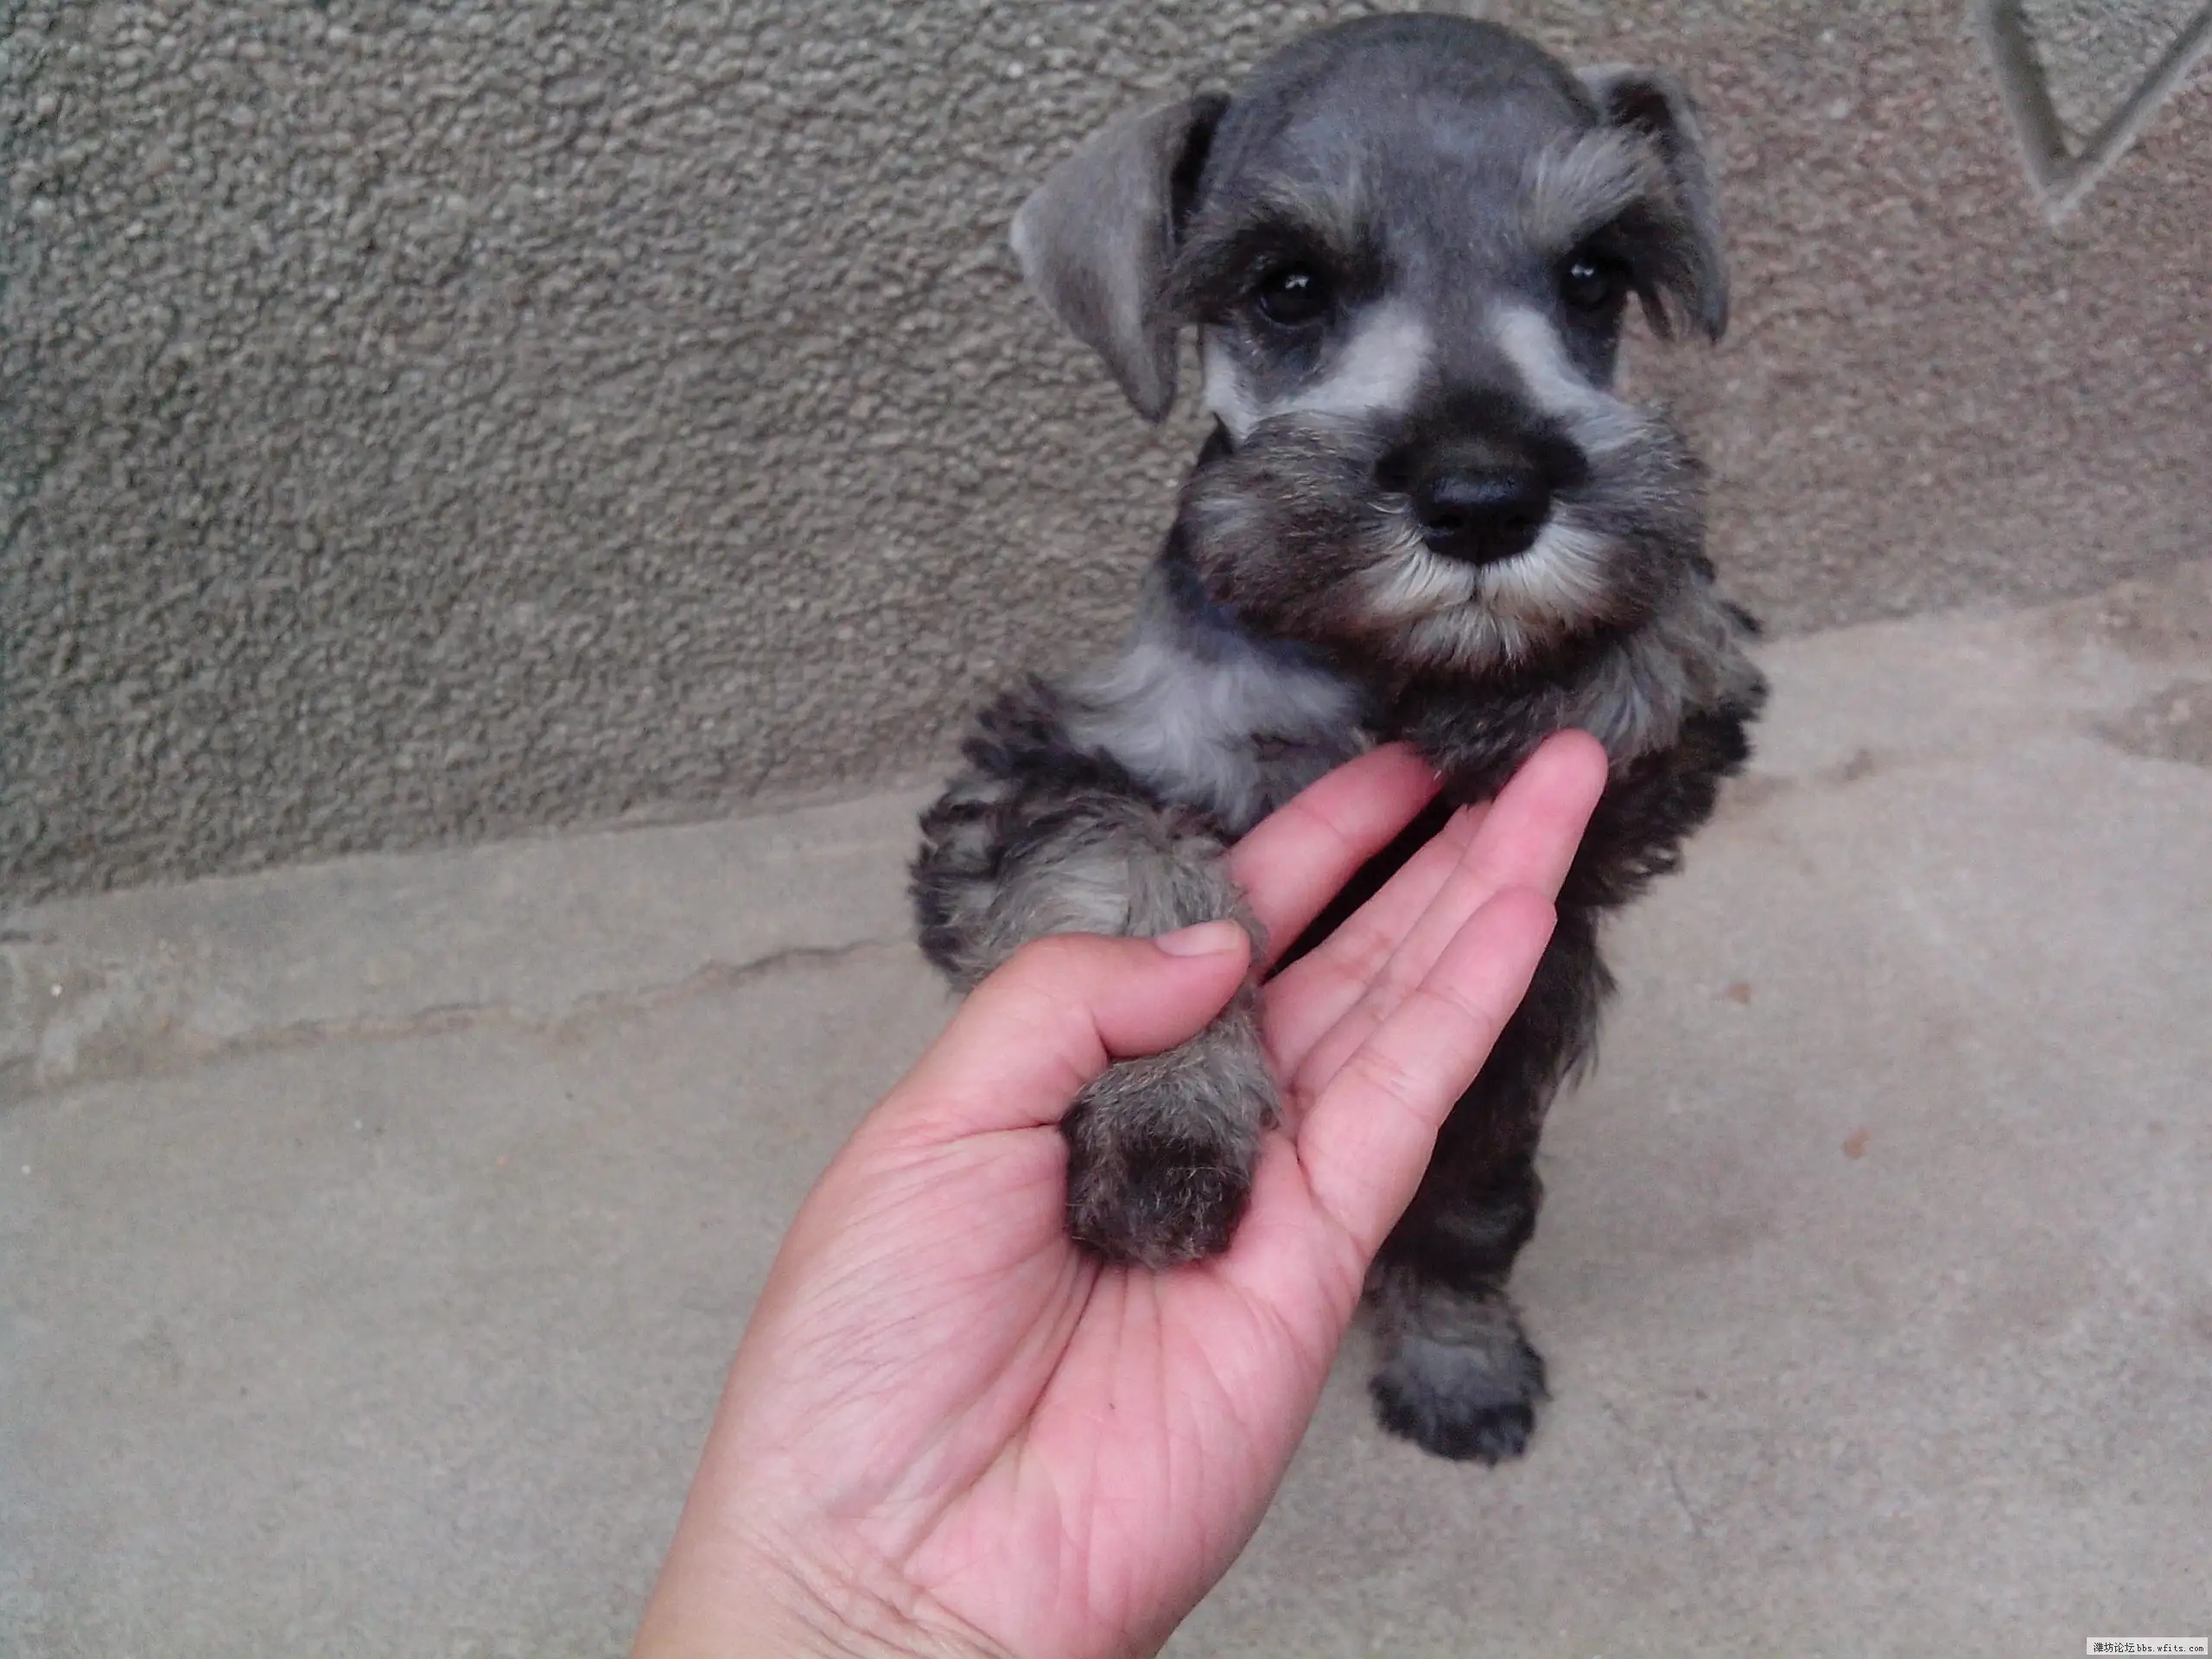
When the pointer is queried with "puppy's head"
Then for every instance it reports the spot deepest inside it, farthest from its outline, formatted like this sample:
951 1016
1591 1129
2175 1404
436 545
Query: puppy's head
1407 247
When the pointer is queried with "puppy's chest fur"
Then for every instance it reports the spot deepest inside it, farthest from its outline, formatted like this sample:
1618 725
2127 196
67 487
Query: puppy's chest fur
1210 718
1205 716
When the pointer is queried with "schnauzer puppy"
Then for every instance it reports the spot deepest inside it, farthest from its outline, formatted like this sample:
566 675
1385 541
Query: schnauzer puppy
1424 512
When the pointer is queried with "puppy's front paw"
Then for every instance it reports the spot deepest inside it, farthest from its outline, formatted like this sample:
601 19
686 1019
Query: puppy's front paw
1472 1400
1160 1152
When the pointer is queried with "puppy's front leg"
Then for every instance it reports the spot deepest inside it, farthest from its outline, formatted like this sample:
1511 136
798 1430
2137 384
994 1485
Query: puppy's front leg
1161 1148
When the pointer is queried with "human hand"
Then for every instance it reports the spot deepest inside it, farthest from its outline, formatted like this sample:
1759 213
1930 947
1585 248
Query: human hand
948 1430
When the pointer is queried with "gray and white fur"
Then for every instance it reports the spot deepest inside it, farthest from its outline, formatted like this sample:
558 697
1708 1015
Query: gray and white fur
1405 246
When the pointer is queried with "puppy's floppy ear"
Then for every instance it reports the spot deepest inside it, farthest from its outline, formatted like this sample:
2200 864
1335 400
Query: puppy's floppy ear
1655 105
1096 238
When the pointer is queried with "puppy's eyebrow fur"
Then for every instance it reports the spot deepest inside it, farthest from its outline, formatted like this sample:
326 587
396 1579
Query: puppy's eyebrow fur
1279 217
1581 184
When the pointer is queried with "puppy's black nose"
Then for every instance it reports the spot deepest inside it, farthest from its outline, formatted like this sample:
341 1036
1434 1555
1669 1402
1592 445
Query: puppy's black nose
1482 515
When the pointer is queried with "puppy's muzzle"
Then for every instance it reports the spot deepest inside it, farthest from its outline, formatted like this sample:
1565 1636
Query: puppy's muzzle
1481 501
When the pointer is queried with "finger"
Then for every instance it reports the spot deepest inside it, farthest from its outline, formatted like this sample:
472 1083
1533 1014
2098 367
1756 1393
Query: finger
1048 1021
1369 1136
1300 856
1311 994
1528 840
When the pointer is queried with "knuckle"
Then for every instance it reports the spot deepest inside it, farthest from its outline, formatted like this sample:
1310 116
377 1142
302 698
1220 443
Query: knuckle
1452 1007
1377 1070
1359 955
1052 956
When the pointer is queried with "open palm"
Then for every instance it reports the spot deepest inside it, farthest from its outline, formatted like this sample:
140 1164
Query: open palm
950 1430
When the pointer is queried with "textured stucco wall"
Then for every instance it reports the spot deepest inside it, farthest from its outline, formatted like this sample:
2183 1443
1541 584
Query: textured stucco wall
2094 52
420 422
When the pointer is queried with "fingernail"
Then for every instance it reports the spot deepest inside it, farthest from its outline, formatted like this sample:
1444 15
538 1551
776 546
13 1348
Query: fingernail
1206 939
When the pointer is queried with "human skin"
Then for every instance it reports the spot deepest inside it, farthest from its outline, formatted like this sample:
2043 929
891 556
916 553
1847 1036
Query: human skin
950 1431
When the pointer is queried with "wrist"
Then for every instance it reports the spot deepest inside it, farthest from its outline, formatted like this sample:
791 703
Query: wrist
750 1599
830 1612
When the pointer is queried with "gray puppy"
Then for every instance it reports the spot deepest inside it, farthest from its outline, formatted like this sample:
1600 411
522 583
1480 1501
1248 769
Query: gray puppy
1407 247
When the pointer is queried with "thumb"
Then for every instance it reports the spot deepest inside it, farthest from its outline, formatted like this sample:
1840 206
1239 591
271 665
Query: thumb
1057 1012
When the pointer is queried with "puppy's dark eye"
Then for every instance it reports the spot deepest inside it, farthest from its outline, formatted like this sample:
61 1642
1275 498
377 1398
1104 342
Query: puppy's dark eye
1592 284
1295 296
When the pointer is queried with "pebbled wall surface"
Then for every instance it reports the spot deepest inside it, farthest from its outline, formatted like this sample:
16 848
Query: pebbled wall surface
420 422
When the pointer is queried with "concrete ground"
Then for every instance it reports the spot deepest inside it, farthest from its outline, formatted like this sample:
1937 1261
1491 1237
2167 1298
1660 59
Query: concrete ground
375 1233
